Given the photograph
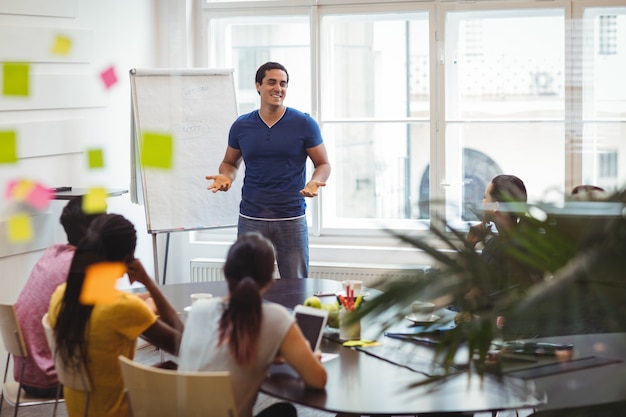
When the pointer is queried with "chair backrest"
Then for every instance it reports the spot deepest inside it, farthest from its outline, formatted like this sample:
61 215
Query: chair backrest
11 333
152 391
75 376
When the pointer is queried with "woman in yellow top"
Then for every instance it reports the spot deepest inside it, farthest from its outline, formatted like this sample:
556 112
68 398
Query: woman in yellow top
98 333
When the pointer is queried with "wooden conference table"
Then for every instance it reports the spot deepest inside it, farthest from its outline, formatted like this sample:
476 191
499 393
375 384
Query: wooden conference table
372 381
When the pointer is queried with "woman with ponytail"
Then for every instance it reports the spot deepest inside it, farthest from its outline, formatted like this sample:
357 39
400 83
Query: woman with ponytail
243 334
97 334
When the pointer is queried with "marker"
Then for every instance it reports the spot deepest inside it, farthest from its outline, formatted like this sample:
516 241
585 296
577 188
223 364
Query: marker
60 189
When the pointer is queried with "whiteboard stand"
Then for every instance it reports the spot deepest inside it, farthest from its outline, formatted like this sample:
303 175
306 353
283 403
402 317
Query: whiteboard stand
195 108
156 256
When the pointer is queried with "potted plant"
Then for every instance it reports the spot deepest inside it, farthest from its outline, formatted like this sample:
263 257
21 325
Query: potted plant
581 249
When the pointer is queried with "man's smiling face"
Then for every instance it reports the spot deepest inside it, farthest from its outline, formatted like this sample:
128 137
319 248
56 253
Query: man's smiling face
273 88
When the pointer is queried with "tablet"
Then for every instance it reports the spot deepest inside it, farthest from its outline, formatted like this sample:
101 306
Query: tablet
312 322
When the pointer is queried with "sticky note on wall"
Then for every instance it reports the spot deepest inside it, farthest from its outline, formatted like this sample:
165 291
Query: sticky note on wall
20 228
108 76
15 79
95 158
8 147
35 194
95 201
62 45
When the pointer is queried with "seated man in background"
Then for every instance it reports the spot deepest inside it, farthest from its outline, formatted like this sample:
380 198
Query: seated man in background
507 273
40 378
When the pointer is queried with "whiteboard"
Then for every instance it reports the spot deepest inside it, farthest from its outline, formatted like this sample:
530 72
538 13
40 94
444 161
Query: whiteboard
196 107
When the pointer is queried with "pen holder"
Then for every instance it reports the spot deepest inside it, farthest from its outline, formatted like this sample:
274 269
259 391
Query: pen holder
348 328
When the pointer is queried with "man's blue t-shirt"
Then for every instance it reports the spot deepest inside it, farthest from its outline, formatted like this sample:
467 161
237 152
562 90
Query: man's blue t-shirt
275 162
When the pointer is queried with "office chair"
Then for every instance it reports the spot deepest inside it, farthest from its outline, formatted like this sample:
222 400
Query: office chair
75 376
155 392
13 340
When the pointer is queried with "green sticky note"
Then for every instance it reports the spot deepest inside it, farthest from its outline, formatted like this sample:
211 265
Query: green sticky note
95 158
8 147
15 81
156 150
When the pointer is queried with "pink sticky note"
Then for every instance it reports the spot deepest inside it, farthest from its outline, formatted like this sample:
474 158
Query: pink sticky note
19 189
39 197
35 194
108 77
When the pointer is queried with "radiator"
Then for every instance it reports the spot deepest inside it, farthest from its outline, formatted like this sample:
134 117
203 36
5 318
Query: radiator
207 269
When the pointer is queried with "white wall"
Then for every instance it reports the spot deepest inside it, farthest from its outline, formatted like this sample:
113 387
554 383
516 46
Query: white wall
69 110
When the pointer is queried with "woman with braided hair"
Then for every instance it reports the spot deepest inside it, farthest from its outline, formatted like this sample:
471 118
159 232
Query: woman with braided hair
97 333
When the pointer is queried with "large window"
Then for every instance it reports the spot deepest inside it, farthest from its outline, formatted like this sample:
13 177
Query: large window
422 103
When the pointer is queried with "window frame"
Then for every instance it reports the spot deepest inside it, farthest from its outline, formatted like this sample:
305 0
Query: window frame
437 9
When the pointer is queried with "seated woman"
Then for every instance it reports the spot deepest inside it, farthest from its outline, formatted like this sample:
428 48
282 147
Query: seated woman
244 335
98 333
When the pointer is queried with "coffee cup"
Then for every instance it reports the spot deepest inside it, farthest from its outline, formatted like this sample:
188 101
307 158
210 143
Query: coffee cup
354 285
200 296
422 310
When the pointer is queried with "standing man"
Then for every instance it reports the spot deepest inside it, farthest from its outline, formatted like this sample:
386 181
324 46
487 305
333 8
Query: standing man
274 143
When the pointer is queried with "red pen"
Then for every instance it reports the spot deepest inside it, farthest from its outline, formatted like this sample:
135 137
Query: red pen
350 297
343 301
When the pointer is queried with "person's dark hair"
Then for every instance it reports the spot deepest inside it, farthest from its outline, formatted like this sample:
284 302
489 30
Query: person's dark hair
75 221
508 188
110 237
584 188
260 73
249 267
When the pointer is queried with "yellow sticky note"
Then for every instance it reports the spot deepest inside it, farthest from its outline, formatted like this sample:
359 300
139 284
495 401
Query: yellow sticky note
16 79
8 147
95 158
20 228
156 150
360 343
99 283
62 45
22 189
95 201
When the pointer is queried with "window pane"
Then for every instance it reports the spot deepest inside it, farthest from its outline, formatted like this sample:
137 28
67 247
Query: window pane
505 104
379 171
375 77
493 72
375 66
532 151
246 43
604 98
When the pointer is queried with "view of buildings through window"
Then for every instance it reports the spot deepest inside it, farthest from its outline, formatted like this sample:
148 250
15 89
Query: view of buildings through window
417 109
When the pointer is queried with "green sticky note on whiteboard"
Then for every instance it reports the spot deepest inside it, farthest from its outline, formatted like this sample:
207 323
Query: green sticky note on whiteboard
15 79
95 158
8 147
156 150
